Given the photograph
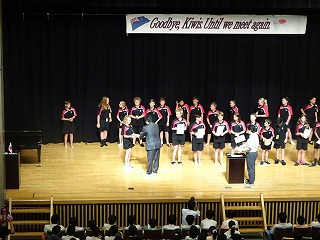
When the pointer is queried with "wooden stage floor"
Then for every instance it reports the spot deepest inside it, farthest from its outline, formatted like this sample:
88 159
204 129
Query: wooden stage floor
88 172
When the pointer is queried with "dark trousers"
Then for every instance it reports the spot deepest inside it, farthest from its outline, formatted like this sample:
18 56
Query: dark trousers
251 165
153 160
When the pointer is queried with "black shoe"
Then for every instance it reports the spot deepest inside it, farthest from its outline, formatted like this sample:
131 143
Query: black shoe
296 164
305 164
313 164
248 182
276 161
141 145
283 162
173 162
311 142
267 162
261 163
103 143
179 162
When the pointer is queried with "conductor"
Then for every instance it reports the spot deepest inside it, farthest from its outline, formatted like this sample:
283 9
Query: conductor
153 145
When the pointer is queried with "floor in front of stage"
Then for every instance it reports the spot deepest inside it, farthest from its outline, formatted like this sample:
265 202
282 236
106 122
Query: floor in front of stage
89 172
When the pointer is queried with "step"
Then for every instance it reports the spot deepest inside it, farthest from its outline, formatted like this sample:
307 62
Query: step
30 210
26 234
240 219
251 230
239 208
31 222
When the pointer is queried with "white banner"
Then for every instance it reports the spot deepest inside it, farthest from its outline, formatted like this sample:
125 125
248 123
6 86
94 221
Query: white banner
216 24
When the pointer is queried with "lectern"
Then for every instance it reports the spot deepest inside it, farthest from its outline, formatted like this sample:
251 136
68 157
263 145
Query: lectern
12 162
235 168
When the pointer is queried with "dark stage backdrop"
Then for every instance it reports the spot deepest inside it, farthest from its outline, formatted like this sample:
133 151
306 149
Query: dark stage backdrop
65 57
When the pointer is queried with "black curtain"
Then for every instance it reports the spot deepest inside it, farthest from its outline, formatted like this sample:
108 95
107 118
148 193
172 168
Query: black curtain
50 59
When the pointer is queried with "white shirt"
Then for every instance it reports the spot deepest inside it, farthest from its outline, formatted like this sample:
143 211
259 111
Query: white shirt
77 229
225 224
107 226
170 227
137 226
48 227
92 238
68 237
253 142
109 237
228 233
185 212
315 224
207 223
184 227
280 225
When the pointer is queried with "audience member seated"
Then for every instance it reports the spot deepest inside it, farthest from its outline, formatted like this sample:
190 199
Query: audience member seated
316 223
176 235
55 231
212 233
221 237
118 237
191 210
230 215
172 219
190 222
133 232
112 221
152 224
237 237
74 222
54 222
132 222
193 233
95 233
282 224
202 237
113 230
70 232
232 229
301 222
208 221
92 224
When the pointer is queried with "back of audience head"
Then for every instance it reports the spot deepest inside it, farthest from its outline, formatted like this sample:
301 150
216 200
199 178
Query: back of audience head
131 219
56 230
236 237
190 219
153 222
92 224
172 219
112 219
95 231
73 221
70 230
213 232
210 214
231 214
221 237
132 231
232 227
301 220
55 218
193 232
113 230
282 217
192 203
118 238
202 237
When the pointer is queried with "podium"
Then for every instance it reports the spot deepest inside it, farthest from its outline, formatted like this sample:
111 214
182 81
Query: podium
235 168
12 162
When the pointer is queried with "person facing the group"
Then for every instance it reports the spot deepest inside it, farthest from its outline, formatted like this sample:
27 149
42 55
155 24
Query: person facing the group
267 135
67 117
197 130
303 131
104 119
137 114
286 113
311 112
219 130
179 125
122 112
164 121
280 131
212 117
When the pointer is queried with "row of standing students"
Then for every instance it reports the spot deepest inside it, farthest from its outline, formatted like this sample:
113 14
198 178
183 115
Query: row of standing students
161 116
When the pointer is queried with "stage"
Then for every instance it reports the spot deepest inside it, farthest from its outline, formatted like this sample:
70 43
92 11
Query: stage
90 173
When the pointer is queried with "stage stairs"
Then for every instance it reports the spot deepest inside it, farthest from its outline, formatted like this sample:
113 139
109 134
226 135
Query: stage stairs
250 214
24 212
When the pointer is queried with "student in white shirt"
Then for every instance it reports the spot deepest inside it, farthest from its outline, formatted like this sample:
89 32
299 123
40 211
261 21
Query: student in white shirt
54 221
232 229
113 230
282 224
316 223
172 219
95 234
190 222
70 232
132 222
193 233
112 221
230 215
74 222
191 210
208 221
